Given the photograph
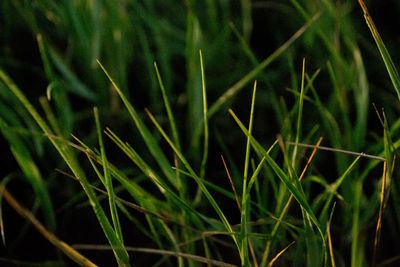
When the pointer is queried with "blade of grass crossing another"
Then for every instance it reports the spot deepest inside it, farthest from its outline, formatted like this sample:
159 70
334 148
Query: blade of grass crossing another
293 185
333 188
31 172
286 208
198 180
69 157
107 179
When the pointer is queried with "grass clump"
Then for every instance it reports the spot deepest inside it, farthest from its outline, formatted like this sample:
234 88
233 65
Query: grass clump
173 93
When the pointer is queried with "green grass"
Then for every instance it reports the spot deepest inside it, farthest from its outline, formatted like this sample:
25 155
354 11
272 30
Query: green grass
144 98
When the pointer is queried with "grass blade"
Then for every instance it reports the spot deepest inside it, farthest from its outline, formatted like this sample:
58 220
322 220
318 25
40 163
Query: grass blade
69 157
390 67
205 119
244 211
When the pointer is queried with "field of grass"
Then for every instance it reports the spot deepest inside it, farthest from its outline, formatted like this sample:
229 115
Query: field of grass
190 133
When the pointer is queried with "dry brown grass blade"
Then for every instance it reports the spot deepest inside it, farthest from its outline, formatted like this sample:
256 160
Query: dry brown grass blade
233 186
379 223
279 254
328 230
64 247
157 251
253 255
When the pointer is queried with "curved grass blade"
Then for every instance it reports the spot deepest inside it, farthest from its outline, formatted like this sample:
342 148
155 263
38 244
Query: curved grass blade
390 67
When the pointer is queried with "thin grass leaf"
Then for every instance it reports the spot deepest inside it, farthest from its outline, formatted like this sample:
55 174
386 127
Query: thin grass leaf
244 211
279 254
167 106
205 119
300 113
107 180
328 231
231 182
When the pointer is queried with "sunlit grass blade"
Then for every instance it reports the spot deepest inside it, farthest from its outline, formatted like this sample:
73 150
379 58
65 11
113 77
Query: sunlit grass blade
279 254
390 67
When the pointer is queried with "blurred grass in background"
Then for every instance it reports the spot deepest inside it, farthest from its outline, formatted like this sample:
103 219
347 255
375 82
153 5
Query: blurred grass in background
48 51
